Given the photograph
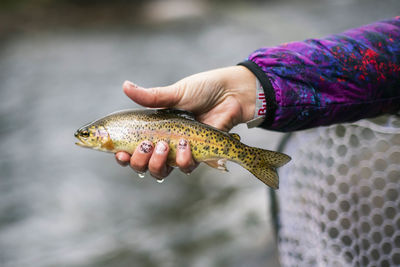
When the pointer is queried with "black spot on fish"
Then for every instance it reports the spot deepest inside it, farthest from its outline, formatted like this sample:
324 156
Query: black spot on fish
226 150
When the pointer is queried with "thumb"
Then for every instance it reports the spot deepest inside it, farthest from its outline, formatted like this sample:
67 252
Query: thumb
157 97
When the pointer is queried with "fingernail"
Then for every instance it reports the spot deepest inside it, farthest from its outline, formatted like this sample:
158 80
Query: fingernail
146 147
131 84
120 157
161 148
182 144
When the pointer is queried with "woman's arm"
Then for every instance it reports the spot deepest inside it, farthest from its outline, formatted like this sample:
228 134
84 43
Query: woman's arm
341 78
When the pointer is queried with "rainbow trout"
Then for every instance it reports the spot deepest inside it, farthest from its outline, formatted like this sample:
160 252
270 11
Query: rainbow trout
124 130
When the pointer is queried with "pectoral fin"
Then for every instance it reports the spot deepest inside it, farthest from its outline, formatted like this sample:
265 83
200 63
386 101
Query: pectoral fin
219 164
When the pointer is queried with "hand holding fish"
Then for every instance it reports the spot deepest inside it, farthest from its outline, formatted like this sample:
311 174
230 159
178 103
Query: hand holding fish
204 107
221 98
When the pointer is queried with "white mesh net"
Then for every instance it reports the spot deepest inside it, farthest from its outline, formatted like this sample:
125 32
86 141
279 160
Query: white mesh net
339 197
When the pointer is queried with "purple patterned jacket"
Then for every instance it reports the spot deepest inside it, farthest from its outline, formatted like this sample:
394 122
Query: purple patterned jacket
341 78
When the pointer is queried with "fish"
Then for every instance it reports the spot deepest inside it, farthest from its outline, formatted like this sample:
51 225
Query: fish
125 130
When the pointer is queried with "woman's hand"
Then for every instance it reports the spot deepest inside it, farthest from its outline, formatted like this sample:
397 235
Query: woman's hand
221 98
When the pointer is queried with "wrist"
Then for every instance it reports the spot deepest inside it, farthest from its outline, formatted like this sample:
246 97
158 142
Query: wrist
260 107
242 83
269 93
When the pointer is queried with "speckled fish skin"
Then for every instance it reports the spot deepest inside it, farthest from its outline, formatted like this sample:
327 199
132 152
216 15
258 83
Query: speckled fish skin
125 130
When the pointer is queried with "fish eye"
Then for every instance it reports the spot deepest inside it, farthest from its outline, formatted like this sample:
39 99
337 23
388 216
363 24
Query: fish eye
85 133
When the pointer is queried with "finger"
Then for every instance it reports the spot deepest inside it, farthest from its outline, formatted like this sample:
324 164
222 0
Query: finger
156 97
158 161
122 158
141 156
184 158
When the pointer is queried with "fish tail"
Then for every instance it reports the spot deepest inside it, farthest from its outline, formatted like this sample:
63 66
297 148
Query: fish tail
263 163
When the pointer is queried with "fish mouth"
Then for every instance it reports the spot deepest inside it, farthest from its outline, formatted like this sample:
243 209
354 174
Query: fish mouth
81 142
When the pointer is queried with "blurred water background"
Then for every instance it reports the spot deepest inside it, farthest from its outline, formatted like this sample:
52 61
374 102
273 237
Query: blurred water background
62 64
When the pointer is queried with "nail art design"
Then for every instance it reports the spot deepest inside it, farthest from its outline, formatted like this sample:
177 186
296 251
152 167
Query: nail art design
182 144
146 147
161 148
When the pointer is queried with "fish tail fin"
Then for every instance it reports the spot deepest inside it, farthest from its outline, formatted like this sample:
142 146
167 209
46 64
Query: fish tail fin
263 165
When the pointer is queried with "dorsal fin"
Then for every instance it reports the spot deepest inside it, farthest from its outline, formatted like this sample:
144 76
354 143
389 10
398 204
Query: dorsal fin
178 112
235 135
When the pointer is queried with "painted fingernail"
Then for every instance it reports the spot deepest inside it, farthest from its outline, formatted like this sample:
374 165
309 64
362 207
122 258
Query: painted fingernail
161 148
182 144
120 157
146 147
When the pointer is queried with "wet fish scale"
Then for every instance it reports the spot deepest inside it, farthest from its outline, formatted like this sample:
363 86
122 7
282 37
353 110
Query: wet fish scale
125 130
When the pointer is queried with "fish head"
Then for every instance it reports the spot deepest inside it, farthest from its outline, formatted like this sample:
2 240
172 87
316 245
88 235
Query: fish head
95 137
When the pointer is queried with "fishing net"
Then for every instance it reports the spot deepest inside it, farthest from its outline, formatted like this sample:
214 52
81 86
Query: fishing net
339 198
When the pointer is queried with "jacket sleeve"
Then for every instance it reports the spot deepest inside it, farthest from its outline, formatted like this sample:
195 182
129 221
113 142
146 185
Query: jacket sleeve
341 78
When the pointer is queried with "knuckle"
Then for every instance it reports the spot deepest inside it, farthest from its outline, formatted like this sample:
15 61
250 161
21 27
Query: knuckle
157 173
138 166
183 163
156 170
155 163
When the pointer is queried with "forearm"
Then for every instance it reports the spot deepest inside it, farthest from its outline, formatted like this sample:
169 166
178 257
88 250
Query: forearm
340 78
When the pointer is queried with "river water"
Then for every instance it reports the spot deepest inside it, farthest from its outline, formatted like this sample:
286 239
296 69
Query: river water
61 205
